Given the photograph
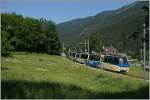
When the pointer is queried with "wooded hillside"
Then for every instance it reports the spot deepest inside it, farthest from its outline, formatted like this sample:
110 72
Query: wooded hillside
122 28
28 34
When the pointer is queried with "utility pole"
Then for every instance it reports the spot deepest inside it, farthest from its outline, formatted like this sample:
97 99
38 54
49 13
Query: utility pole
88 47
141 56
68 48
85 46
63 47
63 52
144 60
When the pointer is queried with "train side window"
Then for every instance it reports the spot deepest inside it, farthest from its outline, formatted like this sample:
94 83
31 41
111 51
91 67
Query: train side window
108 59
116 61
105 59
111 60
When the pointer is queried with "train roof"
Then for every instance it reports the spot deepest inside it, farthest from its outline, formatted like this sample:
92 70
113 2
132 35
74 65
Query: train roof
94 54
86 53
83 52
73 52
116 54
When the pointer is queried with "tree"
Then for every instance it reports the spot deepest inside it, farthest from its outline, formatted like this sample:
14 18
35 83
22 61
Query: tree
138 35
95 42
5 44
52 40
28 34
146 13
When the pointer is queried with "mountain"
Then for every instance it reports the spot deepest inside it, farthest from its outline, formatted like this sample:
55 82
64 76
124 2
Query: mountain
115 27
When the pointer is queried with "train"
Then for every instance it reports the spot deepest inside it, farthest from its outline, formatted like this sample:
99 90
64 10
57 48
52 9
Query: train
86 58
94 60
116 62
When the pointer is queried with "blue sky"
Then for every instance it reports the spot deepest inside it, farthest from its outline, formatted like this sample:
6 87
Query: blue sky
61 10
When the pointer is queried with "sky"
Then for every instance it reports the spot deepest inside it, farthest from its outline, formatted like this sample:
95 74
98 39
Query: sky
60 10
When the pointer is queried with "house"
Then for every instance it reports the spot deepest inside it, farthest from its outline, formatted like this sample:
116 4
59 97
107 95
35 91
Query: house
109 50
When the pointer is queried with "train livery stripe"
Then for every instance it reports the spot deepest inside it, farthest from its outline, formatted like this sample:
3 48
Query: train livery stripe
111 67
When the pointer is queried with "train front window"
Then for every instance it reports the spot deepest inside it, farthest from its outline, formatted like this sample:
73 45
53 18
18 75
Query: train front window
77 55
121 61
84 56
125 60
73 54
94 57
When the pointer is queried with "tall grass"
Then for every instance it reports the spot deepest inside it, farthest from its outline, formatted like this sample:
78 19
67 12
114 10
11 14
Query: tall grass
43 90
45 76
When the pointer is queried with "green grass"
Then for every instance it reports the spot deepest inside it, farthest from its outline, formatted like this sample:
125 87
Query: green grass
33 75
137 71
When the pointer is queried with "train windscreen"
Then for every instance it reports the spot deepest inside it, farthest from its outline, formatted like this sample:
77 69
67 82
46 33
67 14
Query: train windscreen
125 60
94 57
78 55
84 56
73 54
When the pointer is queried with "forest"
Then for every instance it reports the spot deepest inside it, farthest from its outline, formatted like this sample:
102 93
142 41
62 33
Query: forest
28 34
42 36
31 65
122 28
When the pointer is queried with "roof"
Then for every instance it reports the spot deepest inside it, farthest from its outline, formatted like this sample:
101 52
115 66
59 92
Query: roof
115 54
110 49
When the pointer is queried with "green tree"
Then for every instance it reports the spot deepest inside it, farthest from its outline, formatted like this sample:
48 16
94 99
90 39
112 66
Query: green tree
5 44
95 42
32 35
146 13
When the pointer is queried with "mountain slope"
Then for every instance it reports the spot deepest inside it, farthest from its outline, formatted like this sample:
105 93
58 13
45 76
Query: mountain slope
114 26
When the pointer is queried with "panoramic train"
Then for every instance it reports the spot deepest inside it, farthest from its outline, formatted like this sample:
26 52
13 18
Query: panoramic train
116 62
72 56
82 57
94 60
86 58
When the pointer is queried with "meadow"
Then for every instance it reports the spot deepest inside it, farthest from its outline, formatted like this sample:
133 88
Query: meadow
41 76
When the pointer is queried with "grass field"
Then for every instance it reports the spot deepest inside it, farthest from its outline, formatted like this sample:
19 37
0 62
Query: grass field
139 72
45 76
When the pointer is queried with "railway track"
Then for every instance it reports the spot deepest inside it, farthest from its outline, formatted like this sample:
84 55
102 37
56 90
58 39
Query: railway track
135 76
124 74
121 73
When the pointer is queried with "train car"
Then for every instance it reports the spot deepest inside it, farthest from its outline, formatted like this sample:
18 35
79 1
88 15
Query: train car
116 62
81 57
94 60
72 56
86 58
